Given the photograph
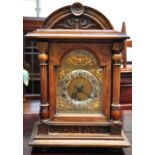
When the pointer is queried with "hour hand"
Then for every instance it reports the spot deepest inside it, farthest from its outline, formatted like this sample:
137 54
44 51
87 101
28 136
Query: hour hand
86 94
76 91
74 94
79 88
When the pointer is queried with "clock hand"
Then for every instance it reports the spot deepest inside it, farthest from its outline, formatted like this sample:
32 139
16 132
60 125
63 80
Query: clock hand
80 89
74 94
86 94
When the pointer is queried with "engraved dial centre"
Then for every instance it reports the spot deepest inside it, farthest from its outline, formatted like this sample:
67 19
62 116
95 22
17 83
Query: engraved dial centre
80 89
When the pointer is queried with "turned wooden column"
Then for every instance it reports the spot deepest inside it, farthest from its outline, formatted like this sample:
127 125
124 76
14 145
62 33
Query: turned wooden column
43 58
116 126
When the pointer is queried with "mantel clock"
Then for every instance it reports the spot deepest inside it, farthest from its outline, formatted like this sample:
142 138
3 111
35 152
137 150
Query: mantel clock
80 59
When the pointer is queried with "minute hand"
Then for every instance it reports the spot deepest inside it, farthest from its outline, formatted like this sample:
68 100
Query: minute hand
86 94
80 89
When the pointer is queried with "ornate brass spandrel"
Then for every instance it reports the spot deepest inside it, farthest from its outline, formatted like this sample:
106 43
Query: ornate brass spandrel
80 58
75 61
98 74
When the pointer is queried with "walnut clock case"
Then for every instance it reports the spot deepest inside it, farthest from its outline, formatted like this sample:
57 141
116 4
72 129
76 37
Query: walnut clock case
80 59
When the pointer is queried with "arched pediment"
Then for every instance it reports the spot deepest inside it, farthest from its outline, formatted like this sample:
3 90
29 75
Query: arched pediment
77 16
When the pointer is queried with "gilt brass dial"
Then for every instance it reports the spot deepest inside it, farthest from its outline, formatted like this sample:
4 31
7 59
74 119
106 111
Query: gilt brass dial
79 84
80 87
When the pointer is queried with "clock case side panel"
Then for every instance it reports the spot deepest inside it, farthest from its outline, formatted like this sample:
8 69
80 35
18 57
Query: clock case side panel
102 51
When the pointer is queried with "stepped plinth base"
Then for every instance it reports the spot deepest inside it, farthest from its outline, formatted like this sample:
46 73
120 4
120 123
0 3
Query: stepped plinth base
77 139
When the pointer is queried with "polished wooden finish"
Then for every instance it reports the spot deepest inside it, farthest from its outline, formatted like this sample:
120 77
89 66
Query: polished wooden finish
108 141
115 112
76 34
69 18
43 57
52 91
57 52
106 45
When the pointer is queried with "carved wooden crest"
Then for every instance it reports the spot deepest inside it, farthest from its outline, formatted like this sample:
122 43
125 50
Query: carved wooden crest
77 16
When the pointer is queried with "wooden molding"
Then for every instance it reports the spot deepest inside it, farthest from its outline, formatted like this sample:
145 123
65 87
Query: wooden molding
85 18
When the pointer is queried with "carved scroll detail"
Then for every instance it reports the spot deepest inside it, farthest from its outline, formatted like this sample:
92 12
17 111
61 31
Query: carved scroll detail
82 22
79 129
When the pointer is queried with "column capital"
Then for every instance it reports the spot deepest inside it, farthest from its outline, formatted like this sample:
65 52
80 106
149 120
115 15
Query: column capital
118 46
42 46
